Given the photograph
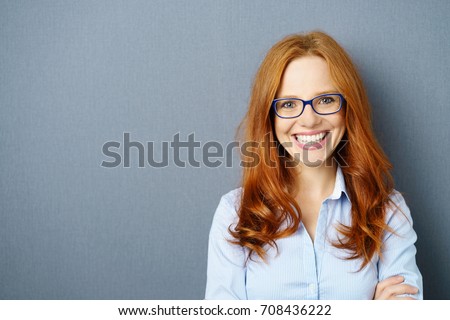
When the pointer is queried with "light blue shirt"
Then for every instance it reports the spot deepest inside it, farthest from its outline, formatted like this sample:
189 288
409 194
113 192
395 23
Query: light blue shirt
304 269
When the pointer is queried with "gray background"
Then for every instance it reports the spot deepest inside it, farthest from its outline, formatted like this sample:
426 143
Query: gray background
76 74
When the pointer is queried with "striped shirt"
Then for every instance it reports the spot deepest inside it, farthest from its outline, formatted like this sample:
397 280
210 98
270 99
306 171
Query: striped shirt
305 269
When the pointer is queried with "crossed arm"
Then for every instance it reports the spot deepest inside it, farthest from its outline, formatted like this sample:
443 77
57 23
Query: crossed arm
393 288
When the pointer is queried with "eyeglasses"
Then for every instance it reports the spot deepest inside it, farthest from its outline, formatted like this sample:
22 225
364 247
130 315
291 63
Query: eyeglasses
324 104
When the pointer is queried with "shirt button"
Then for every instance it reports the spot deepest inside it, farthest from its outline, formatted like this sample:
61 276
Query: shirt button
312 288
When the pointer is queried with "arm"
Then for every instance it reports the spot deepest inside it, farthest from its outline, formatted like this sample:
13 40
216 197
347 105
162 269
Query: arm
397 269
393 288
226 261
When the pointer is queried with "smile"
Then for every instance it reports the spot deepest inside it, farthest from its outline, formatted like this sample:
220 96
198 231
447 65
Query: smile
316 141
312 138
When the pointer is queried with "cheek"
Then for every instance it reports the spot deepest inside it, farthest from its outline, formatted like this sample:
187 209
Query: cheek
281 129
277 129
339 123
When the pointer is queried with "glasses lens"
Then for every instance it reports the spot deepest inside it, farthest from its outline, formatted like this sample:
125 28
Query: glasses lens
288 108
327 104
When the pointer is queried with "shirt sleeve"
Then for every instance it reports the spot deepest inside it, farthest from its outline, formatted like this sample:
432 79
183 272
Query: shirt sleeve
226 262
399 252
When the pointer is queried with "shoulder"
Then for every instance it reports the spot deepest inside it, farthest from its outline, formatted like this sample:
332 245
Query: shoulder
398 214
396 204
227 211
232 199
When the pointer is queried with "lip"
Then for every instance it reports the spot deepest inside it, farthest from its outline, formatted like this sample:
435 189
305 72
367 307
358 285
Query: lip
317 145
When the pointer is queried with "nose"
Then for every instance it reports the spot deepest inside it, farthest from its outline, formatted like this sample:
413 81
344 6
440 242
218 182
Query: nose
309 118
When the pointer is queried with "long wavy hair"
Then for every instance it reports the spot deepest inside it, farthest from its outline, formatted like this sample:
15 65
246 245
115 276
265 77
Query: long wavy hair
268 210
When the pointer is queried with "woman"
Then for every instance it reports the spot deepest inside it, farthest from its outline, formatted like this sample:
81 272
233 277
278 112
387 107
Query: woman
317 216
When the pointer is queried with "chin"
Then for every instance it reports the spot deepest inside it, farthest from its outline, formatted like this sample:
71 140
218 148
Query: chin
312 160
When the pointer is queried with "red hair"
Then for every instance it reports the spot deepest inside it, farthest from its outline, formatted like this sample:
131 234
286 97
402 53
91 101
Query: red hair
267 202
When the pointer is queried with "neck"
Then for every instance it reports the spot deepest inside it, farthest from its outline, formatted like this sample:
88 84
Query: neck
317 182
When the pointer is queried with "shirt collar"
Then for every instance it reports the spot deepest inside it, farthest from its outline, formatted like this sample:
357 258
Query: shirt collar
339 185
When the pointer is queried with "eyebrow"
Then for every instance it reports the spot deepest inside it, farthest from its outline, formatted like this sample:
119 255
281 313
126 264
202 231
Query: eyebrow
316 95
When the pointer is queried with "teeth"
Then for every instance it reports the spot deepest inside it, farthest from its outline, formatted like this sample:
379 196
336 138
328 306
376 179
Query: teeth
311 138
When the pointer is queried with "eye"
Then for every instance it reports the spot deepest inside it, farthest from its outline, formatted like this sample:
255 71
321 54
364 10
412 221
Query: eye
289 104
326 100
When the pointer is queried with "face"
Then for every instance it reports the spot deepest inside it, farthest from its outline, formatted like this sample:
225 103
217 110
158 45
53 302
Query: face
310 138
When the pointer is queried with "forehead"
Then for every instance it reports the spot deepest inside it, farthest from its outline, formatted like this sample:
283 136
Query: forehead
305 77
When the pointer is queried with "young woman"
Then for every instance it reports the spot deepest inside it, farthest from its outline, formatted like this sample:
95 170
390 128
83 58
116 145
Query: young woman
317 216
